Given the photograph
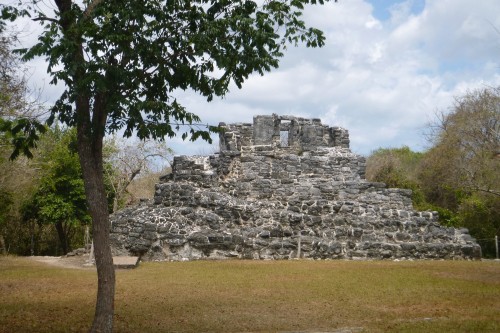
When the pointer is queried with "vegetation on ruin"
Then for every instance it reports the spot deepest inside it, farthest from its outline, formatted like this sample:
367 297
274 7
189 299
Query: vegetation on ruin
258 296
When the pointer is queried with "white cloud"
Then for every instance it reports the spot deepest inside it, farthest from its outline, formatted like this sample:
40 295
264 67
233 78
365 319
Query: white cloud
400 12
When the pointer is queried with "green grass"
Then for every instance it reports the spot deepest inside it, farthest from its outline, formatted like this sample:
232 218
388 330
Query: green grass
258 296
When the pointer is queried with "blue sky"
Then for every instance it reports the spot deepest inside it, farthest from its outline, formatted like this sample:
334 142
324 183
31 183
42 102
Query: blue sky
386 69
382 8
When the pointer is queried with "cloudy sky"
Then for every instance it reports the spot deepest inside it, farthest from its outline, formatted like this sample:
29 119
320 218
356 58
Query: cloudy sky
385 70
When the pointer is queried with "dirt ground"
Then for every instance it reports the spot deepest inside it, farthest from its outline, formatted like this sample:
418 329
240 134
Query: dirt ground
75 262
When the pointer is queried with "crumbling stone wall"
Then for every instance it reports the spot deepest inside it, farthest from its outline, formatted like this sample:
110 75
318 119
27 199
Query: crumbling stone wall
302 134
262 198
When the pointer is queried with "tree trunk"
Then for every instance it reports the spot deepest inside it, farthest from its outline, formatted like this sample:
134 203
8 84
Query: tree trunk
3 249
63 240
90 126
32 238
90 154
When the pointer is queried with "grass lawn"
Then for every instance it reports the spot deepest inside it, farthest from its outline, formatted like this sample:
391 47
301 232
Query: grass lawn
258 296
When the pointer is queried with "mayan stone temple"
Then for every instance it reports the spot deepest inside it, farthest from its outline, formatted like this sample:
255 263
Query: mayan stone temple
281 188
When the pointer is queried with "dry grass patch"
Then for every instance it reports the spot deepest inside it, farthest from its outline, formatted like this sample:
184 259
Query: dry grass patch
39 298
259 296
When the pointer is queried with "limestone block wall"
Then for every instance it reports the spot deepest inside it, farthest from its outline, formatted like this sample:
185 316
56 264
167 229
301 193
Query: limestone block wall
188 222
266 162
297 133
258 199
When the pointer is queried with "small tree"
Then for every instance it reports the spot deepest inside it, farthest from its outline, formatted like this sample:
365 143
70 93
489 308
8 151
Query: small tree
15 95
16 178
481 215
129 159
60 197
466 143
122 63
5 205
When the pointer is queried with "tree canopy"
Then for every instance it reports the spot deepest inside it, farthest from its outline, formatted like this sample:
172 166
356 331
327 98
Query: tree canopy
130 57
467 142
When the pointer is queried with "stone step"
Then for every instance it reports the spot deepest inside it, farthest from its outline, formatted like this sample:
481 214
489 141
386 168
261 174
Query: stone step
125 262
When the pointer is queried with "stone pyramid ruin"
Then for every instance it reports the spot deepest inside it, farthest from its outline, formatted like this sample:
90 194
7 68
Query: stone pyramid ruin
281 188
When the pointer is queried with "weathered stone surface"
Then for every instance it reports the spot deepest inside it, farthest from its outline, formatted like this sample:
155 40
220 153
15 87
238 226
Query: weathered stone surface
275 195
125 262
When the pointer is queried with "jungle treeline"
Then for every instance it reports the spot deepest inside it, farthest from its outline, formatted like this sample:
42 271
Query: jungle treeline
459 175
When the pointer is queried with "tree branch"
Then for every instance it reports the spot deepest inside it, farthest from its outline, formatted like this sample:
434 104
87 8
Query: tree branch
90 8
484 190
45 18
